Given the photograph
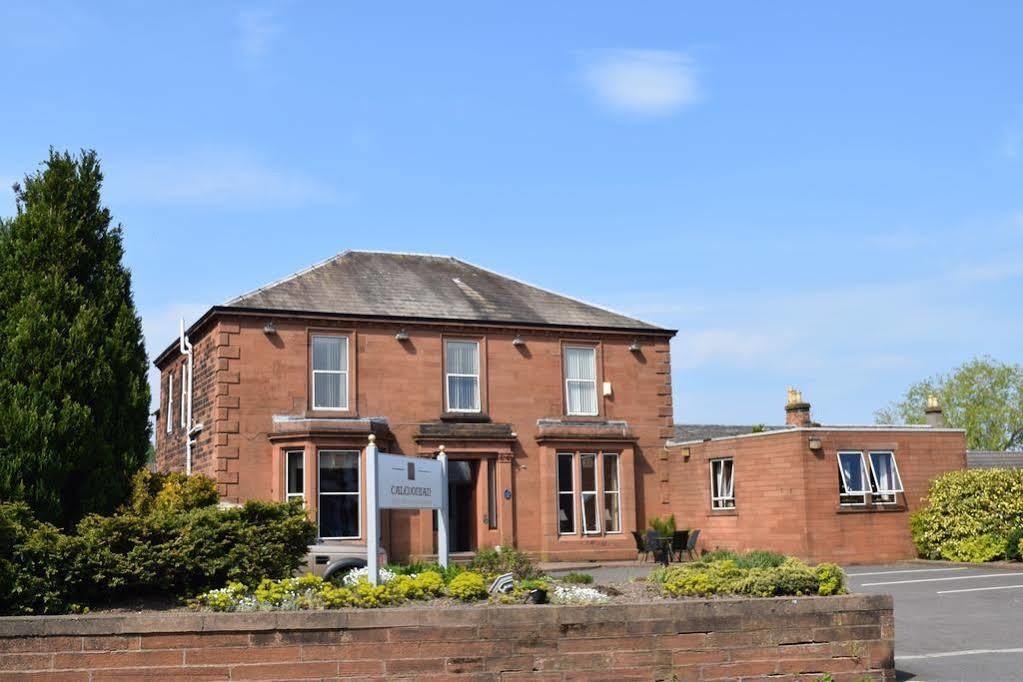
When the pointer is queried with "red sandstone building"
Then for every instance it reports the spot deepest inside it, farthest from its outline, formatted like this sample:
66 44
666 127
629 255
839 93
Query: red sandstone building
556 415
554 412
824 493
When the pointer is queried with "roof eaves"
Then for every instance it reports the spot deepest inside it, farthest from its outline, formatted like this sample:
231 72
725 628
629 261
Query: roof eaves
872 428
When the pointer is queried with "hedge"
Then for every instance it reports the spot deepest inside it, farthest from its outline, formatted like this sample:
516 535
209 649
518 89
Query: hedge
170 541
970 515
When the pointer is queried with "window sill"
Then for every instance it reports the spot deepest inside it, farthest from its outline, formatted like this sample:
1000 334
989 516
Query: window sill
870 508
723 512
476 417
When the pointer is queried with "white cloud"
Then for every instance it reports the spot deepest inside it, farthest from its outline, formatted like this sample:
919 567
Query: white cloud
643 82
212 177
257 28
733 347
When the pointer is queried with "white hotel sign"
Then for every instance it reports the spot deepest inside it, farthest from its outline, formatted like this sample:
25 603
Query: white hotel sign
408 482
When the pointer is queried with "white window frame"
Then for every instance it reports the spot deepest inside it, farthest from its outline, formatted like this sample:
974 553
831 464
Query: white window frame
571 493
170 401
448 375
721 496
844 491
594 493
357 494
287 476
343 372
592 382
616 492
884 496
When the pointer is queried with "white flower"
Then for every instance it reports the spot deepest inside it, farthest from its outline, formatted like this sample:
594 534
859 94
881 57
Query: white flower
354 576
576 594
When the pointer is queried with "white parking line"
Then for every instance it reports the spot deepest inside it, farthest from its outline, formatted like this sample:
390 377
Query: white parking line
911 570
937 580
982 589
965 652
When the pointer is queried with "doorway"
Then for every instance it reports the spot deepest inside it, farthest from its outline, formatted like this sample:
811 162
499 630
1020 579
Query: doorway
462 505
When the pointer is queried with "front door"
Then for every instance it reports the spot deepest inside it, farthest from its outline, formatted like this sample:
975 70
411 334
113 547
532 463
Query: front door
462 504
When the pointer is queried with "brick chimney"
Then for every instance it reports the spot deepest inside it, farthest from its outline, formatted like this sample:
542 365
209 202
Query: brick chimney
797 412
933 414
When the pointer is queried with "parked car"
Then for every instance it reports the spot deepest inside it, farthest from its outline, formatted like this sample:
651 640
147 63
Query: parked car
331 560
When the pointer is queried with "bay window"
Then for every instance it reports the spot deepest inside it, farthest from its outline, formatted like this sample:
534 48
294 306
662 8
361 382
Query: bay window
294 475
339 494
598 495
330 372
566 493
462 375
581 380
722 483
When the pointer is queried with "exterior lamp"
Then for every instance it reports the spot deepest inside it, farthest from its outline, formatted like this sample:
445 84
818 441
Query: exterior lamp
518 340
634 347
269 328
402 335
815 443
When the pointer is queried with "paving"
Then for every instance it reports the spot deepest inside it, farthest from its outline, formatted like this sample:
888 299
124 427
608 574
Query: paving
952 622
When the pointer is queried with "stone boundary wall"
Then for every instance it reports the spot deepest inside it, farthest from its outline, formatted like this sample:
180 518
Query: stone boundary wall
850 637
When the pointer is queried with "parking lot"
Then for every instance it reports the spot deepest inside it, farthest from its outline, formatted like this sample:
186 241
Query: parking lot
951 622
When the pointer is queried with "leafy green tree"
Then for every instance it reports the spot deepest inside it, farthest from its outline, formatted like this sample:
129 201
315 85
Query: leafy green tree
74 399
983 396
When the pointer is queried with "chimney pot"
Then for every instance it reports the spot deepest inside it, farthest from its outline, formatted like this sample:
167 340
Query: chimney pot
934 416
797 412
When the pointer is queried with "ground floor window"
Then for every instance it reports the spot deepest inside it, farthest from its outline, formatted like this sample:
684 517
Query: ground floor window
871 477
722 483
339 494
294 474
596 499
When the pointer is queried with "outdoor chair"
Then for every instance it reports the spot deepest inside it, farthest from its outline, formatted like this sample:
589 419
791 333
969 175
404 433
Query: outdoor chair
679 543
691 543
641 546
653 543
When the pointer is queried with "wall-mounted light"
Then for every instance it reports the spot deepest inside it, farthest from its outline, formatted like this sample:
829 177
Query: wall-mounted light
634 347
269 328
518 340
402 335
815 443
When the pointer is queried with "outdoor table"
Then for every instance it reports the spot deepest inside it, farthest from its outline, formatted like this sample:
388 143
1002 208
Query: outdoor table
662 550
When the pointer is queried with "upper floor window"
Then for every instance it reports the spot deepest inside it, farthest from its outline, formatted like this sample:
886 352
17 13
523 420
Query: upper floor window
170 401
722 484
462 375
330 372
581 380
294 472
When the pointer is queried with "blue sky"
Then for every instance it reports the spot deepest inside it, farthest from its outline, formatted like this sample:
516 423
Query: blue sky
824 195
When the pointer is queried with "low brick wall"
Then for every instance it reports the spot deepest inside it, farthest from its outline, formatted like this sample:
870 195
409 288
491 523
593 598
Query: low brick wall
786 638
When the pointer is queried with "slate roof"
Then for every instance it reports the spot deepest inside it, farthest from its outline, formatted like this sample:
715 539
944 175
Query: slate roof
988 459
418 286
685 433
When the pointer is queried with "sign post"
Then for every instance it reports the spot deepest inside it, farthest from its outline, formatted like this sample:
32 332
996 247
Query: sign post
442 513
399 482
373 510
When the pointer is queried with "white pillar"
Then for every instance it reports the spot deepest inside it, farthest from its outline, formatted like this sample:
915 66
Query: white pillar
372 512
442 513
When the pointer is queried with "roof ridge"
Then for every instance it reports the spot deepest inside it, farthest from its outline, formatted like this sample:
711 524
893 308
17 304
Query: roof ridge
556 293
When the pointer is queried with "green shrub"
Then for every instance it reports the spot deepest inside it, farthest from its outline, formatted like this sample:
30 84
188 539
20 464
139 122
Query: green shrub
760 576
170 540
967 504
1012 545
494 562
976 549
577 578
760 558
468 586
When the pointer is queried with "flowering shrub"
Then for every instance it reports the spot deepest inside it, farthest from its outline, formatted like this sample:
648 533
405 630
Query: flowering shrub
762 577
577 594
468 587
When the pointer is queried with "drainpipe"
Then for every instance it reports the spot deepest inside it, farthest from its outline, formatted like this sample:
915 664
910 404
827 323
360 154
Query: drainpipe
186 349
